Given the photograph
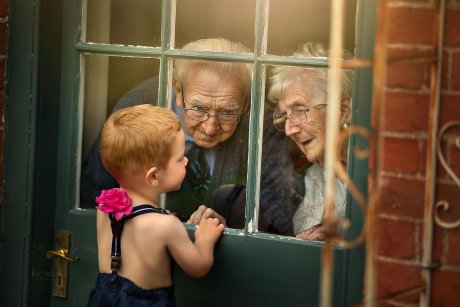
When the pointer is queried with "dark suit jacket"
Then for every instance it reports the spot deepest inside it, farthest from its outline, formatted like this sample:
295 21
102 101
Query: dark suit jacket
280 186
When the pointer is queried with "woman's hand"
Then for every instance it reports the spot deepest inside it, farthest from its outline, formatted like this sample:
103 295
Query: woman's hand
203 213
315 233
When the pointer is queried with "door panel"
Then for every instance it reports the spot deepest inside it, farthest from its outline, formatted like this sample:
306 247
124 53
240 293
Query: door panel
248 270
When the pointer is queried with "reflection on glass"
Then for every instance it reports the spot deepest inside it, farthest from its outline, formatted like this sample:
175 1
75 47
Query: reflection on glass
230 19
107 82
294 21
136 22
299 99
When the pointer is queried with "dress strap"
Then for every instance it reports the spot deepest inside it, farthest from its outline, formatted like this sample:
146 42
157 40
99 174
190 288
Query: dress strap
117 229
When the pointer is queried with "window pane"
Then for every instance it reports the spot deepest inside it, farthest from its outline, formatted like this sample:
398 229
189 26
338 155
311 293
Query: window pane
107 80
230 19
293 22
212 98
293 159
136 22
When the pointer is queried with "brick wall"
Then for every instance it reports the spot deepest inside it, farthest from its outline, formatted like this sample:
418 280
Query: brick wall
412 32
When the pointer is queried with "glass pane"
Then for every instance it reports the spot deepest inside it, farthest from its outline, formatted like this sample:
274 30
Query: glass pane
294 149
293 22
110 83
136 22
230 19
212 99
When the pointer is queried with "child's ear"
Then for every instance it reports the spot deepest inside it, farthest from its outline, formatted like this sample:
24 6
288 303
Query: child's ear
178 87
151 177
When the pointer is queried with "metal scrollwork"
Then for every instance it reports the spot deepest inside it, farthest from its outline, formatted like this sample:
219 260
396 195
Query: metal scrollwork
341 172
442 204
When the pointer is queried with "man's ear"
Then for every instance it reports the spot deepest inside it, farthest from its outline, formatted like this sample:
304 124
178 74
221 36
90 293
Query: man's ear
179 94
247 105
151 177
345 111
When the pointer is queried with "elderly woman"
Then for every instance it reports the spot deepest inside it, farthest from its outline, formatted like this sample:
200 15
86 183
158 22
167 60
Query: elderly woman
301 96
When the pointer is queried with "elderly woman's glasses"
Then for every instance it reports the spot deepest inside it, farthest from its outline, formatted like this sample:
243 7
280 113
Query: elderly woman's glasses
297 117
200 115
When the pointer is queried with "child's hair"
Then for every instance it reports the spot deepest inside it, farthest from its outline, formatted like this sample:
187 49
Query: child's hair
136 138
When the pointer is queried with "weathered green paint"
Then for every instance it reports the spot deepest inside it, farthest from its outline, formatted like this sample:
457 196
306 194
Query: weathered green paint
19 153
249 270
358 168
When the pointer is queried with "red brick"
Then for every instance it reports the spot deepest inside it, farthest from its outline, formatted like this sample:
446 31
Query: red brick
445 71
406 111
408 76
397 239
423 155
3 37
452 24
438 244
449 193
453 159
440 171
455 71
4 8
396 277
445 288
401 155
449 110
411 25
453 255
402 197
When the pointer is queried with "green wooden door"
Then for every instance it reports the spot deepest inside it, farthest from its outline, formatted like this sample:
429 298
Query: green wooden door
251 268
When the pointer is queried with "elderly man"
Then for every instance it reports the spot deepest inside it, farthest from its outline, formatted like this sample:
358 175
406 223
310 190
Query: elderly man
212 100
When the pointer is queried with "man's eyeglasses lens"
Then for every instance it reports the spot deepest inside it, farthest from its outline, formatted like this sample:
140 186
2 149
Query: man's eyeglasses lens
201 115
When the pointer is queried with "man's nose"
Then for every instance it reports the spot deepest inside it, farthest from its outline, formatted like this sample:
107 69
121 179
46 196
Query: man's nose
211 125
290 128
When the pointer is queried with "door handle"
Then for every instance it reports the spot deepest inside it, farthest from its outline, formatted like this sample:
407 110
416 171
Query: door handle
62 253
61 260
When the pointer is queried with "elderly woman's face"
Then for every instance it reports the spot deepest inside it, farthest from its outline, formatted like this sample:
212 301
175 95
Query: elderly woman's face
309 136
206 90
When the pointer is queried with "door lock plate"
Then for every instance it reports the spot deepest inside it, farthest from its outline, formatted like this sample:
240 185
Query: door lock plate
61 264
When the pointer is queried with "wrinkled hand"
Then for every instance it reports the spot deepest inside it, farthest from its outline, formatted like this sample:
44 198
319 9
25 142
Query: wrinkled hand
203 213
315 233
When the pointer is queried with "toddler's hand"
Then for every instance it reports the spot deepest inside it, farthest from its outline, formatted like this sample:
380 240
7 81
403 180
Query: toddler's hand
209 230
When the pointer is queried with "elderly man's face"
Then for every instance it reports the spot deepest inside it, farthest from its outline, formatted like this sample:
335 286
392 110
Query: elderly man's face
206 90
309 136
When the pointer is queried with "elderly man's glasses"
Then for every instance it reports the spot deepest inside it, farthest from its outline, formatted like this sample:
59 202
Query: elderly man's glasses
297 117
198 114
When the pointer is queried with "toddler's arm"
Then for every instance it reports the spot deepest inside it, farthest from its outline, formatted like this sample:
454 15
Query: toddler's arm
195 259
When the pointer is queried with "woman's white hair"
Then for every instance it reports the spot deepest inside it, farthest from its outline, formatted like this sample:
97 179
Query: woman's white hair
181 66
314 79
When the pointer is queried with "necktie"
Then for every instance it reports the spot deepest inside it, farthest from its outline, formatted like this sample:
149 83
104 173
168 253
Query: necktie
198 171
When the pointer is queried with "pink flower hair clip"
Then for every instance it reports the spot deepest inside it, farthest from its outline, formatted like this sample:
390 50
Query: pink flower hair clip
115 201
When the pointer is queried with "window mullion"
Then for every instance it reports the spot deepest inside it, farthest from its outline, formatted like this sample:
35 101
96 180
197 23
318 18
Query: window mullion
256 118
168 21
